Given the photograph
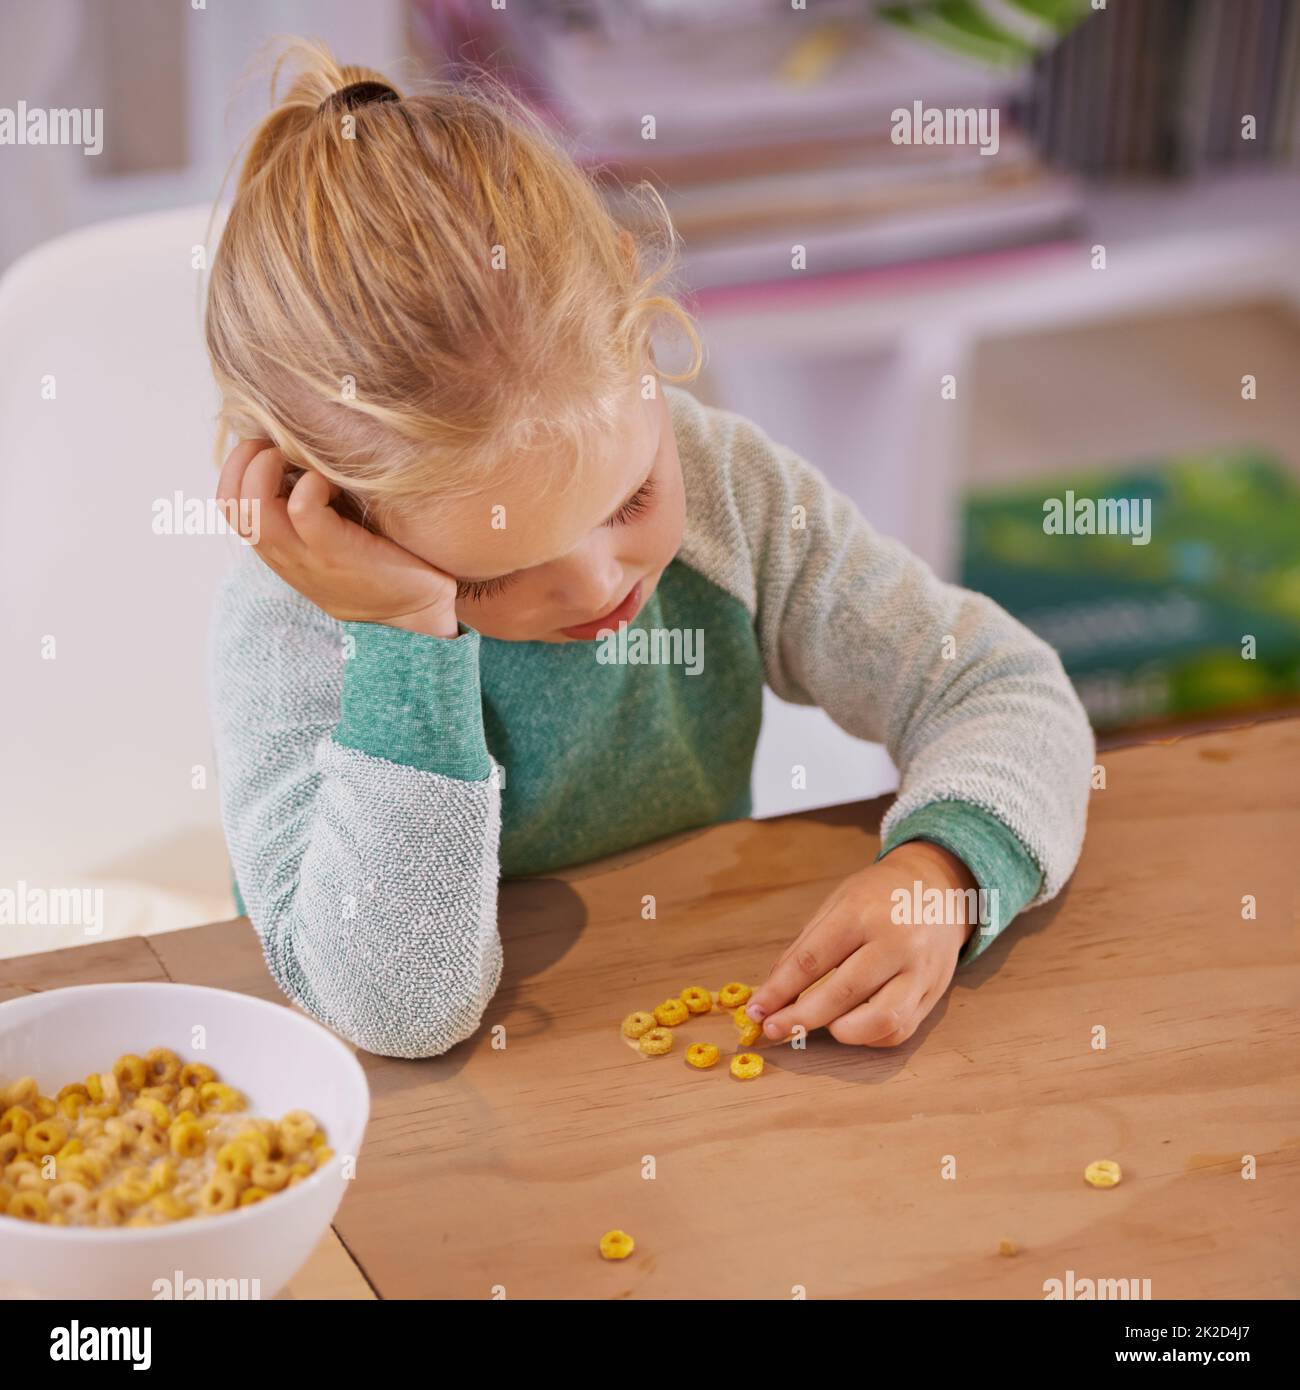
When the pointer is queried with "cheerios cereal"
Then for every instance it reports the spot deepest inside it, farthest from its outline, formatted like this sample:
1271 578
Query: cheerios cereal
671 1013
656 1042
746 1065
733 996
750 1032
697 1001
1104 1172
637 1023
702 1055
149 1141
616 1245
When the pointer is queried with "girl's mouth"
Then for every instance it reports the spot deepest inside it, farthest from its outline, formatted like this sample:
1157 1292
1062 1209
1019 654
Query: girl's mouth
624 613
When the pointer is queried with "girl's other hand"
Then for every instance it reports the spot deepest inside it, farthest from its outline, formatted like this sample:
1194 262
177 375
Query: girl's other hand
350 573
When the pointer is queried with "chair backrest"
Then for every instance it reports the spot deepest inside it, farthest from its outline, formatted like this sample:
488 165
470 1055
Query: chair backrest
107 411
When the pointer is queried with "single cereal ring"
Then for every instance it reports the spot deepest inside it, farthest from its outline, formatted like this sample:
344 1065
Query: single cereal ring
1105 1172
270 1175
196 1074
70 1198
750 1032
733 996
1006 1247
656 1042
697 1001
131 1072
702 1055
616 1245
29 1206
21 1092
187 1139
671 1012
46 1137
46 1107
71 1105
163 1066
216 1095
746 1065
637 1023
18 1119
218 1194
154 1109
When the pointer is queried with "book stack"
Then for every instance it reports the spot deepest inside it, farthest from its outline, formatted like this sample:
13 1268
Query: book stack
770 132
1163 86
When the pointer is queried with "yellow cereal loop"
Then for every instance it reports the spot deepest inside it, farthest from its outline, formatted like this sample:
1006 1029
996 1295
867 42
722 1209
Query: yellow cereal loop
130 1072
218 1194
95 1088
155 1109
1105 1172
259 1140
69 1198
732 996
216 1095
270 1175
1007 1247
196 1074
697 1001
252 1195
702 1055
616 1245
162 1065
46 1137
671 1013
750 1032
746 1065
237 1159
71 1106
17 1120
656 1042
29 1206
45 1107
187 1139
73 1147
638 1023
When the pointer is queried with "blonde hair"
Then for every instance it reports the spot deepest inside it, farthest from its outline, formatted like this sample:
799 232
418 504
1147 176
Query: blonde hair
413 296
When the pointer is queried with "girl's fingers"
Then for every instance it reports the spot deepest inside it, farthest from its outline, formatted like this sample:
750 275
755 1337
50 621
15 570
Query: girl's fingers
317 524
232 474
850 984
259 495
819 947
888 1018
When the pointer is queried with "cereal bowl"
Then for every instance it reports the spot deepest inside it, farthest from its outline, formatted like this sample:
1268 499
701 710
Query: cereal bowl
278 1058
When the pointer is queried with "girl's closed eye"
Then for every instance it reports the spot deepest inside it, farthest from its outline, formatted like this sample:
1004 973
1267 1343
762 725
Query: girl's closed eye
477 590
635 505
480 590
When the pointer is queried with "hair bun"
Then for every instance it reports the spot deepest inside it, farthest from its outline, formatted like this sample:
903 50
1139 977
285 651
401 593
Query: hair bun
359 94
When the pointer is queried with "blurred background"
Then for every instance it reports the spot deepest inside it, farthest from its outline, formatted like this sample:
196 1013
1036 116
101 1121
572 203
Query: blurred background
1107 305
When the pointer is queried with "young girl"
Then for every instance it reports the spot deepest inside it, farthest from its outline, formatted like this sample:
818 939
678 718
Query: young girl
462 465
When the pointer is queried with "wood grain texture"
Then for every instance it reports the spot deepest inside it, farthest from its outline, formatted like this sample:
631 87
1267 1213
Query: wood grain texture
502 1167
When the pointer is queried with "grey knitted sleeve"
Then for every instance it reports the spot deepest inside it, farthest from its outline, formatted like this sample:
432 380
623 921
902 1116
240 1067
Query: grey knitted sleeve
372 884
970 704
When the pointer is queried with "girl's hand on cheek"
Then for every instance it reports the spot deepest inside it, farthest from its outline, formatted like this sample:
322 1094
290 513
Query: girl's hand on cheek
345 570
854 970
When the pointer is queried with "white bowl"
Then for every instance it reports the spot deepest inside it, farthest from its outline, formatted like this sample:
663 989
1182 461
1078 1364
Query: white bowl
278 1058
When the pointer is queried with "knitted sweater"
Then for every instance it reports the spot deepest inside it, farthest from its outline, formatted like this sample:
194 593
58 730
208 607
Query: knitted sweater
376 783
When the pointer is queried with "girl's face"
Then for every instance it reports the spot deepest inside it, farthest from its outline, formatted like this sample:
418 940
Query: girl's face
557 568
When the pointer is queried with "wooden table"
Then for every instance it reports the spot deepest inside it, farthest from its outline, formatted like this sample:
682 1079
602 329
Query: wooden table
498 1168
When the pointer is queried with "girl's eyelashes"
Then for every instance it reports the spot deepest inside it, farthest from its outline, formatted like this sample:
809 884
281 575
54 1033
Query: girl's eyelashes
479 590
635 505
476 590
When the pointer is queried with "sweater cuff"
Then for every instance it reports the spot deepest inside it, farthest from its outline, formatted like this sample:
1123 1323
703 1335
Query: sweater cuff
415 700
1002 867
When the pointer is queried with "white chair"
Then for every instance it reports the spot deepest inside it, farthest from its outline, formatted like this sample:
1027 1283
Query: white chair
107 407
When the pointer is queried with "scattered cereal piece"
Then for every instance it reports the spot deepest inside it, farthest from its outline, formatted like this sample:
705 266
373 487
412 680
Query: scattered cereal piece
616 1245
636 1024
698 1001
733 996
702 1055
746 1065
1105 1172
750 1032
671 1012
1007 1247
656 1042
